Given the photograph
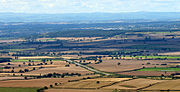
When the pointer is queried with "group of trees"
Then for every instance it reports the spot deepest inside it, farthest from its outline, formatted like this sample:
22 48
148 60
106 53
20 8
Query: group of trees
57 75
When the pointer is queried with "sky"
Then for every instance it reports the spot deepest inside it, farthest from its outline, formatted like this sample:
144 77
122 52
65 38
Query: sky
88 6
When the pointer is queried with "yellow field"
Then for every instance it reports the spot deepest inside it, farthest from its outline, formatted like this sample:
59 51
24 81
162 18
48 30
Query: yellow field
36 57
133 84
76 90
171 85
39 82
91 83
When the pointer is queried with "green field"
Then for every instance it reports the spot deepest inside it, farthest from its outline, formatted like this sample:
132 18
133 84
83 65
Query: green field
9 89
46 40
154 57
160 69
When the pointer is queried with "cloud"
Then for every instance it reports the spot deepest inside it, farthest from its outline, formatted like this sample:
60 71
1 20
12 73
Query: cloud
76 6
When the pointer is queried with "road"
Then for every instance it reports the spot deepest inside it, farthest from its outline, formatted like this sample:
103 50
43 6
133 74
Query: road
86 67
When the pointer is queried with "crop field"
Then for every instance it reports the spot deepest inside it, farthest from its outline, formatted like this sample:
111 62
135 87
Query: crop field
25 60
170 53
125 65
98 57
11 40
160 69
167 85
77 90
91 83
148 73
40 82
10 89
133 84
35 69
161 57
11 78
70 69
37 57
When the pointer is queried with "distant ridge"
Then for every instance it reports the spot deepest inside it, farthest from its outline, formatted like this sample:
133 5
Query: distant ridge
71 17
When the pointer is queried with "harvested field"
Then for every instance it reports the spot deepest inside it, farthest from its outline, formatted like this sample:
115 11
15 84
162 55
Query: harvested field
91 83
39 82
170 53
76 90
126 65
9 89
14 40
62 69
37 57
10 78
57 66
171 85
33 65
133 84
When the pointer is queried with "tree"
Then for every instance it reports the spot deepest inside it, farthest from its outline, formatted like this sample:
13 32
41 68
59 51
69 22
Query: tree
12 71
119 63
25 78
26 70
45 87
97 82
55 84
67 65
50 86
21 71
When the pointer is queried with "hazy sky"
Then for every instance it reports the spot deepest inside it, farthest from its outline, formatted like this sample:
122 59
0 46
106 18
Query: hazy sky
79 6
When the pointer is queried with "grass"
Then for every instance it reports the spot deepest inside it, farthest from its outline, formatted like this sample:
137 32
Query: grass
168 57
9 89
160 69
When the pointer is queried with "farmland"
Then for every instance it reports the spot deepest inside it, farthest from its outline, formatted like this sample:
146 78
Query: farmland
172 85
18 89
160 69
95 60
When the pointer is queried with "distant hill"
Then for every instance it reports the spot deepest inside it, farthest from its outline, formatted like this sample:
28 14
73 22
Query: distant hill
88 17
